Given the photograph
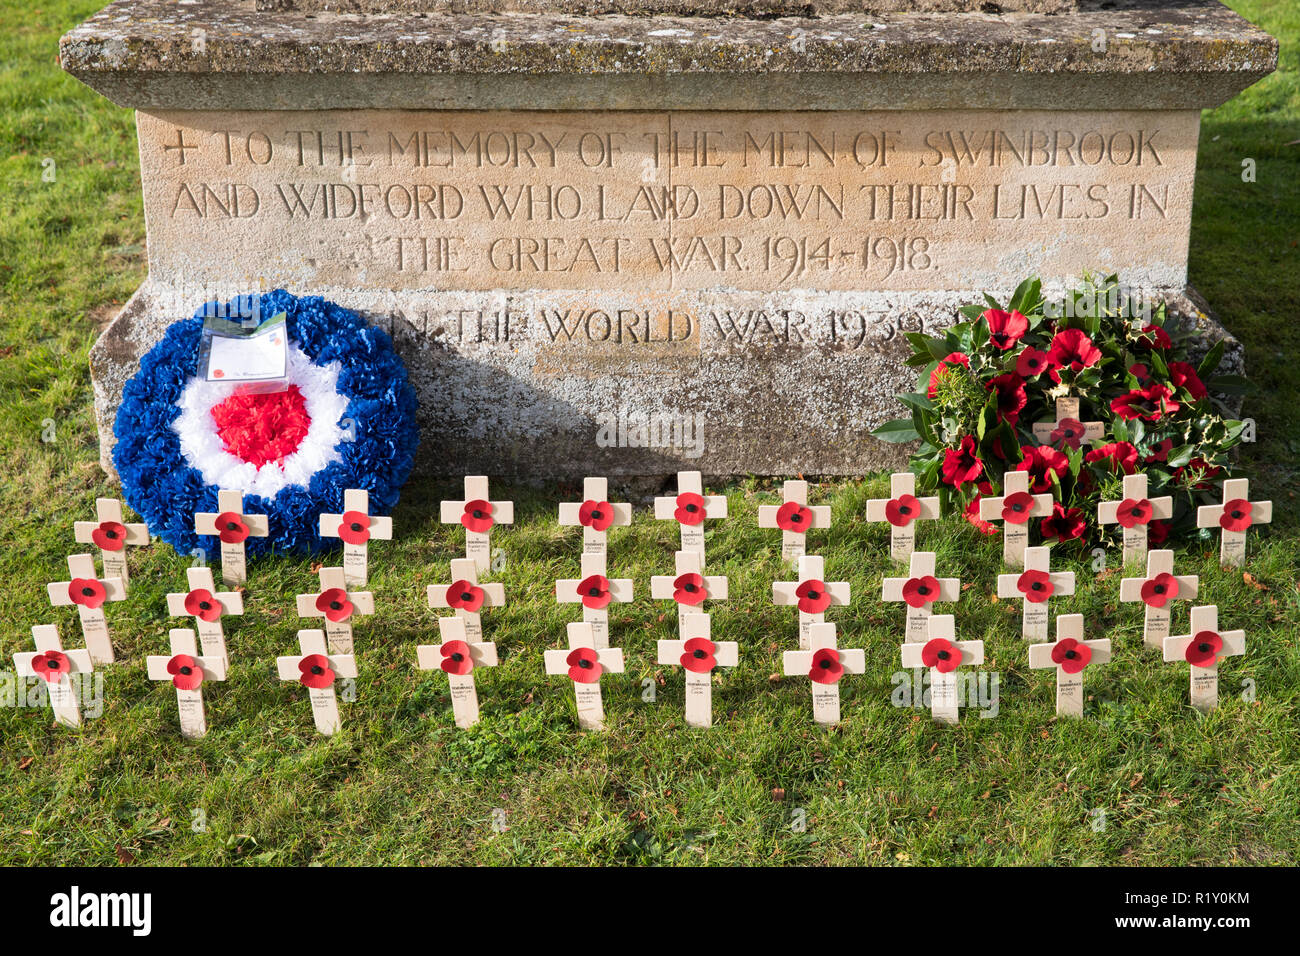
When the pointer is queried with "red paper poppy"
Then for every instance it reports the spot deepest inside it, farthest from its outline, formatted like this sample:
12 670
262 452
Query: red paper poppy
1071 655
464 596
1183 375
689 589
186 672
1016 507
584 665
109 536
231 528
1068 431
918 592
1072 349
826 666
1063 523
1153 337
51 666
1160 451
201 604
1036 586
1005 328
941 654
972 511
902 511
1031 362
1160 590
690 508
699 655
940 370
334 604
1116 456
1140 372
1133 512
793 516
316 672
961 464
1157 533
477 516
1203 649
1236 515
1041 461
1149 404
355 528
597 515
1011 396
813 596
456 658
87 592
594 592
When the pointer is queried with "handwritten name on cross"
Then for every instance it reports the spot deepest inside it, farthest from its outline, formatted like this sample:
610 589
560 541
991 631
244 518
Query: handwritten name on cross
1133 514
206 605
88 593
690 508
795 518
479 514
1034 586
317 670
337 605
458 656
233 527
811 594
1070 654
824 664
111 535
466 596
942 653
1014 508
902 509
698 655
595 591
187 670
57 667
1234 517
1156 591
690 587
1203 648
920 591
357 528
584 663
596 515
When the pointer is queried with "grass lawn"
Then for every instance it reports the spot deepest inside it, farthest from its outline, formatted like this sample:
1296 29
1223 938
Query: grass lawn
1143 779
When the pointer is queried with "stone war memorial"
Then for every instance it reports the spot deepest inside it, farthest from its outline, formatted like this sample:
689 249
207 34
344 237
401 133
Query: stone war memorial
606 234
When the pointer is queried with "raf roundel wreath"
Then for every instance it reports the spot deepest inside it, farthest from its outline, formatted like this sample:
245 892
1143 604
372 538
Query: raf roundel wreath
347 420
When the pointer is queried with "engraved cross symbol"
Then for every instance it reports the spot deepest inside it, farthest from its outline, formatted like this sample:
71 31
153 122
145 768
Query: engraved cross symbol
180 145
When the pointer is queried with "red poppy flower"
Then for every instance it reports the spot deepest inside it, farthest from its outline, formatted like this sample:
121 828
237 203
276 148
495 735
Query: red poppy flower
826 666
109 536
1236 515
355 528
231 528
1160 590
334 604
1157 533
1183 375
1041 461
940 370
186 672
1063 523
699 655
690 508
1016 507
1011 396
597 515
1005 328
941 654
961 464
477 516
201 604
1031 362
689 589
813 596
584 665
1068 431
1072 349
972 512
1133 512
51 666
1203 649
456 658
1149 404
1036 586
793 516
902 511
87 592
1117 456
1160 451
1140 372
918 592
1153 337
464 596
1071 655
316 672
594 592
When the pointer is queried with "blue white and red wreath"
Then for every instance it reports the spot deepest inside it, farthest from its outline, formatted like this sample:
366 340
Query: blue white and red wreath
347 420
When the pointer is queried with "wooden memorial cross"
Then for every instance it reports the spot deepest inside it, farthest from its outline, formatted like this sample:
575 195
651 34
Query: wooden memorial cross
111 535
1133 514
690 587
89 594
479 514
595 591
1034 586
465 596
1069 654
233 527
690 507
1203 649
357 527
458 657
206 605
1014 507
811 594
902 509
595 514
824 664
583 663
316 669
698 655
943 654
1068 429
1234 516
795 518
1156 590
52 664
336 604
920 590
187 671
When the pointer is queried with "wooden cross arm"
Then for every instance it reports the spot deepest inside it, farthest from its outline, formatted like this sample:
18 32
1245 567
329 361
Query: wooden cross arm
380 526
621 511
783 592
213 668
715 506
136 533
232 602
929 509
1062 582
78 660
1130 589
1040 655
429 657
891 589
557 660
799 663
1207 516
363 602
494 595
972 653
343 665
1234 645
58 591
726 653
991 508
620 589
503 512
661 587
820 516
